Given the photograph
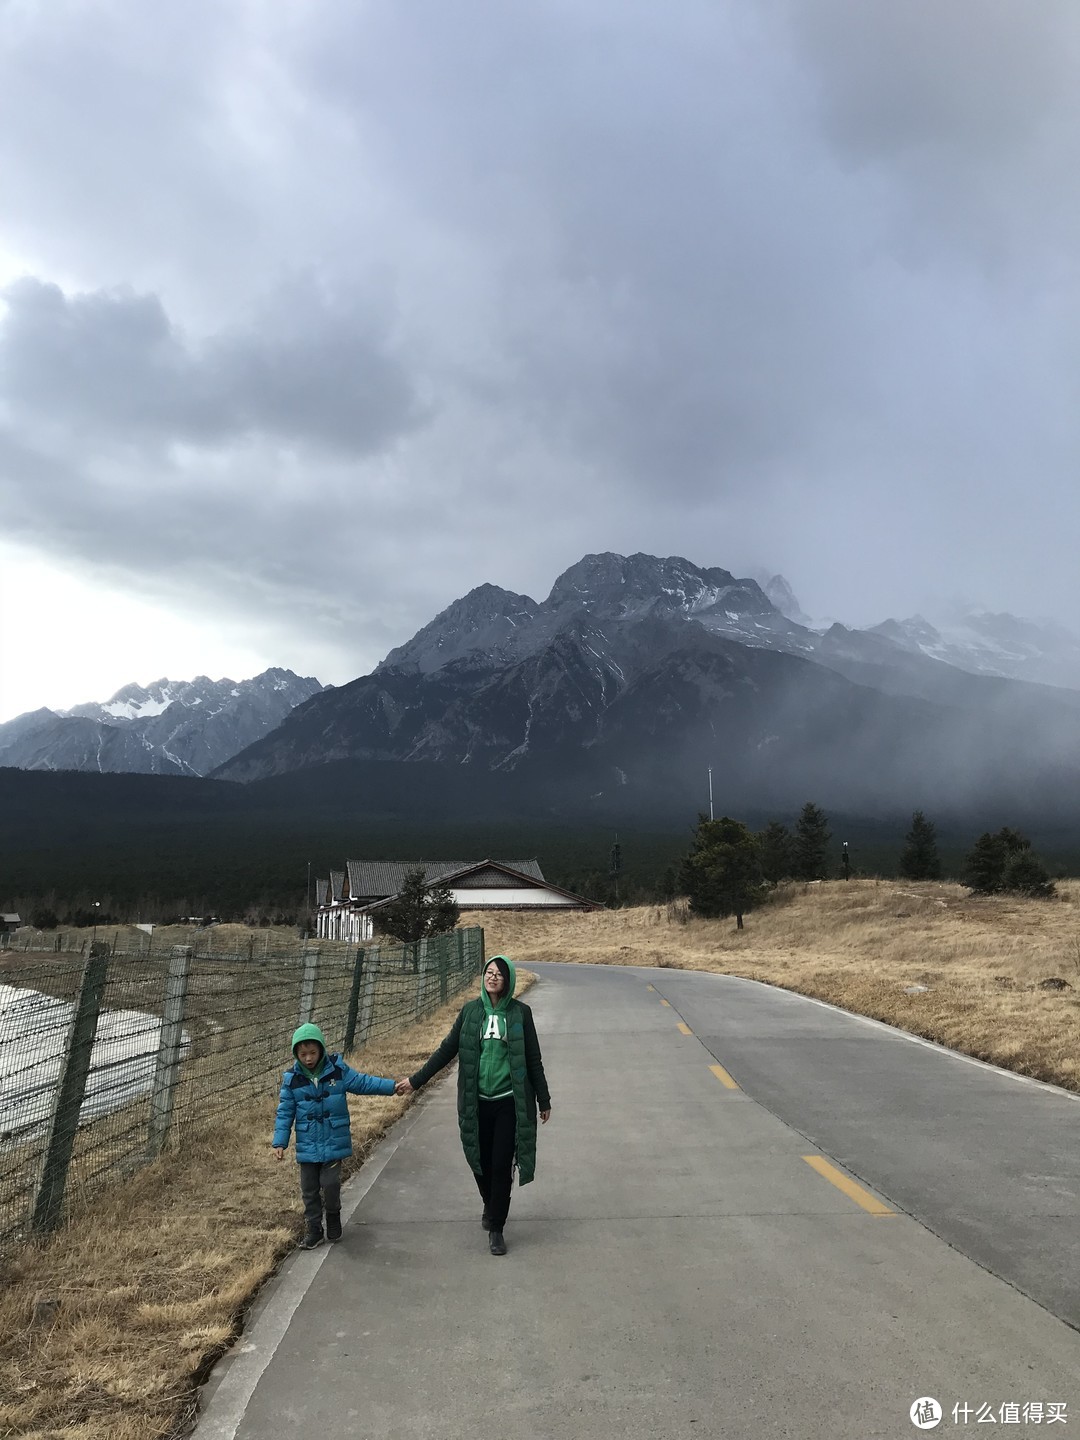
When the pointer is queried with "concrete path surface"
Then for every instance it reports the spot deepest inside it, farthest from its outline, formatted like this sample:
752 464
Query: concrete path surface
754 1216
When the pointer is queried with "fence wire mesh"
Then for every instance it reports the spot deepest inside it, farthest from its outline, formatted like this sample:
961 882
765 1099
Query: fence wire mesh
107 1058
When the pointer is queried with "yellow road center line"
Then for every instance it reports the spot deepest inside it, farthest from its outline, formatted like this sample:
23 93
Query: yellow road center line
724 1078
666 1002
847 1185
685 1028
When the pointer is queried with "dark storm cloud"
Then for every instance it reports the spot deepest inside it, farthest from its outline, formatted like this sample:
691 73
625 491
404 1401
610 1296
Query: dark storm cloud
310 370
790 284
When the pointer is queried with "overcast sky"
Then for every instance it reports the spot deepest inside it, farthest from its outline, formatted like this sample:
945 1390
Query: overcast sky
315 315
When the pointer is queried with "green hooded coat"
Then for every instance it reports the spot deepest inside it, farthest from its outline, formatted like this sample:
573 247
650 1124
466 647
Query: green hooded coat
526 1075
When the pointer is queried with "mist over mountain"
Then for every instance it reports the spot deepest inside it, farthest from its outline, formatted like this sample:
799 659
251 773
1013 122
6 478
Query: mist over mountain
166 728
637 674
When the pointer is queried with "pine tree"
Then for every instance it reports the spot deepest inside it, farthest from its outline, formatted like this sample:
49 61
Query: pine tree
920 859
1025 873
443 912
722 872
811 848
417 911
775 845
987 863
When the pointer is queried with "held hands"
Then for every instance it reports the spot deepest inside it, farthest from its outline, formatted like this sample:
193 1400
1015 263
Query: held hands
403 1087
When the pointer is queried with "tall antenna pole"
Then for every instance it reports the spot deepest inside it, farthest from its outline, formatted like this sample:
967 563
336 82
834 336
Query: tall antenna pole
710 793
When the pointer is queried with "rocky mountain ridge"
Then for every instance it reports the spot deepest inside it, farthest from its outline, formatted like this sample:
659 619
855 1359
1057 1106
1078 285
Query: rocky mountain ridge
166 728
637 674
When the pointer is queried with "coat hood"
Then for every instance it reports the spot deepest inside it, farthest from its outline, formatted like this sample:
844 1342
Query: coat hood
308 1032
509 975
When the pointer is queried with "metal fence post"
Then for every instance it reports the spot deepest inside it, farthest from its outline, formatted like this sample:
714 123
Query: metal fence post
167 1069
307 987
421 973
367 993
64 1121
444 966
354 1000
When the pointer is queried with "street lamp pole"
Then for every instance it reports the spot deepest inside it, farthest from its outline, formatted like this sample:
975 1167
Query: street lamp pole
97 908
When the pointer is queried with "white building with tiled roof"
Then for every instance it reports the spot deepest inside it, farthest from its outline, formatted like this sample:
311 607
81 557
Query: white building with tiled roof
347 908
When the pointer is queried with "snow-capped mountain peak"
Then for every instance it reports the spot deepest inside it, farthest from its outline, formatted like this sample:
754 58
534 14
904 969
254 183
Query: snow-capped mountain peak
169 726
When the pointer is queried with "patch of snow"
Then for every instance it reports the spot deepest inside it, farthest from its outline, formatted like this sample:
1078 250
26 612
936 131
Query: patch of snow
135 709
122 1061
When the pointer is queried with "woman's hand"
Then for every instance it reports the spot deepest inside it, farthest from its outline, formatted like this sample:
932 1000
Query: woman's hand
545 1116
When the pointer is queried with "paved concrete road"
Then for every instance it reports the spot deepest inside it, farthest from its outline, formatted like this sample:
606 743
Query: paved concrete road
680 1268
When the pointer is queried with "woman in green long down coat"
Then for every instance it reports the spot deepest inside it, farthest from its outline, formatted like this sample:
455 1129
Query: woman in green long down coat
501 1083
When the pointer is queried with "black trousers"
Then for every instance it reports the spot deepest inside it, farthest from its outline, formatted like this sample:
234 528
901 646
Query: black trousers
498 1138
319 1184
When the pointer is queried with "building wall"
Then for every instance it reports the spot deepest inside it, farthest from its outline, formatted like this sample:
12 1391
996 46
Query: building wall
496 898
340 923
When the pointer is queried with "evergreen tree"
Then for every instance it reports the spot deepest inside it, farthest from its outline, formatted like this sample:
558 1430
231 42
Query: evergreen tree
417 911
722 872
443 912
776 852
920 859
986 865
811 847
1025 873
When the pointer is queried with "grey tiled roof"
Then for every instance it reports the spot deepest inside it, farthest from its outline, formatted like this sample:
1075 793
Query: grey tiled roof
337 883
375 879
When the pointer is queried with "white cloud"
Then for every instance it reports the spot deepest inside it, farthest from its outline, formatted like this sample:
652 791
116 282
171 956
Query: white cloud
66 639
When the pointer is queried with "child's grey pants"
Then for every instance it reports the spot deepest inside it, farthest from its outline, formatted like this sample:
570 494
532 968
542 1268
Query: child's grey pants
316 1178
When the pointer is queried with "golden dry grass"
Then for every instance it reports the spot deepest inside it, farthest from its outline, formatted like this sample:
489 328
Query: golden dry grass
152 1280
859 944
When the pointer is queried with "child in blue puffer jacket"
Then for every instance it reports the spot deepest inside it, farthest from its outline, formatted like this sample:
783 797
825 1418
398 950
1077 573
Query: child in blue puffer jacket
312 1097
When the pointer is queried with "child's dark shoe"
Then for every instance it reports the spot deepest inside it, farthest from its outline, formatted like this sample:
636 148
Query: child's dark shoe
312 1240
333 1225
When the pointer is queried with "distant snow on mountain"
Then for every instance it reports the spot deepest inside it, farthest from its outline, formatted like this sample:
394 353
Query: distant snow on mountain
186 727
983 643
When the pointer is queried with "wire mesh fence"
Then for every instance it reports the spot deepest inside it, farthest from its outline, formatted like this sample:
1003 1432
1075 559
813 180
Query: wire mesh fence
107 1058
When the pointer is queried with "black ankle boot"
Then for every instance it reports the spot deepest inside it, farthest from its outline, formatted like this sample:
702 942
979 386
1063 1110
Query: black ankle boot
333 1225
485 1219
496 1243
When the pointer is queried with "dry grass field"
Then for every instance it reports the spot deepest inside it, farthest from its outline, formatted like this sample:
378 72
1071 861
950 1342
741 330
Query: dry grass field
107 1330
152 1282
1001 973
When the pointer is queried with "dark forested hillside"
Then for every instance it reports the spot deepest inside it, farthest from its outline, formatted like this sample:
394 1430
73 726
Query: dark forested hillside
153 846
